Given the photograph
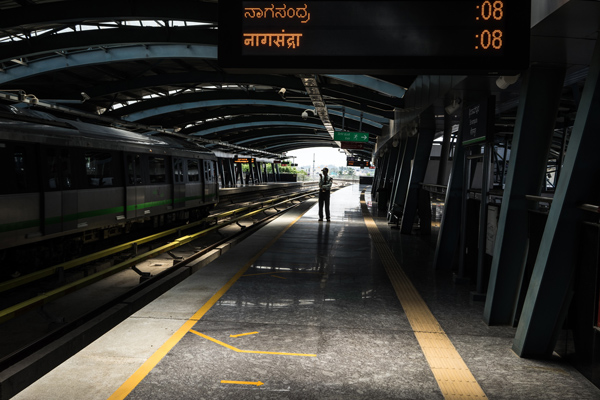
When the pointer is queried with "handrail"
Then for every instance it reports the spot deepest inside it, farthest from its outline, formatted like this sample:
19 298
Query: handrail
539 198
434 185
590 207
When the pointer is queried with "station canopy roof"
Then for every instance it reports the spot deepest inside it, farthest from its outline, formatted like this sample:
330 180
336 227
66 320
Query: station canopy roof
152 66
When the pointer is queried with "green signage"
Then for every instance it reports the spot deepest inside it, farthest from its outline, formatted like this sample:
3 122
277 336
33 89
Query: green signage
340 136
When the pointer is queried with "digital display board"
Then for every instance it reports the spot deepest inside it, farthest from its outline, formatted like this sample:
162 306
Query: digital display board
244 160
487 36
354 163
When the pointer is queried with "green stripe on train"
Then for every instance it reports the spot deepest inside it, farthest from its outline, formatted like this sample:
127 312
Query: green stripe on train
14 226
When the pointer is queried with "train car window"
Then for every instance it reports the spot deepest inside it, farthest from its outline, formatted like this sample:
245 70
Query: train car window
8 180
134 169
178 170
209 172
101 169
25 168
193 171
18 161
157 168
59 172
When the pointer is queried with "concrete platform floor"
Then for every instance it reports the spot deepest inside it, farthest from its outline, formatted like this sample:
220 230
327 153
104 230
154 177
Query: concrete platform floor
313 316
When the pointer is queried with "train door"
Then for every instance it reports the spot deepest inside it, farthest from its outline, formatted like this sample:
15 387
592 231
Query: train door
60 205
194 189
210 183
135 195
179 182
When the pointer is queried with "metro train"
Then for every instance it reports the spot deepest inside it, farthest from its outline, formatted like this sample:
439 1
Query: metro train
73 182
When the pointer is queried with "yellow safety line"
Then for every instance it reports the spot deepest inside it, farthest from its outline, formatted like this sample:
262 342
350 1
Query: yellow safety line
450 371
249 351
259 383
243 334
155 358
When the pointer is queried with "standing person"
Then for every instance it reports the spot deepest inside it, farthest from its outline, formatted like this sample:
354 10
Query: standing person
325 182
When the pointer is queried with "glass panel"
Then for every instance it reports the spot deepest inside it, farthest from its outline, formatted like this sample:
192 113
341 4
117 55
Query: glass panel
178 170
193 171
134 169
209 172
157 169
58 169
99 169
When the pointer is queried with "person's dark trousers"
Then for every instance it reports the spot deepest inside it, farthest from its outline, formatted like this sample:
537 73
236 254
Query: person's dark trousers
323 200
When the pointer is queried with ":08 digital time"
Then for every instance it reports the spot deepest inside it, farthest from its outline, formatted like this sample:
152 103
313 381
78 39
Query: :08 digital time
491 10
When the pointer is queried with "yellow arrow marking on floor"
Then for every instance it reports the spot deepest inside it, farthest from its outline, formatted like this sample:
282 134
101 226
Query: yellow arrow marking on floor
244 334
249 351
259 383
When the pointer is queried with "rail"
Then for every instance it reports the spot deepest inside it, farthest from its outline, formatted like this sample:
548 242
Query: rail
44 298
22 280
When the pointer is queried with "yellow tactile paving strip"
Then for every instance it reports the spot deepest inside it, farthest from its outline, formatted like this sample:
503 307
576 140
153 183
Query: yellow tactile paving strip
450 371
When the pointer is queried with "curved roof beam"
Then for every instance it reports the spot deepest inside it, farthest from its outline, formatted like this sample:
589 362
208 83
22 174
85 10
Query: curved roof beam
194 77
282 148
375 84
109 55
352 122
71 11
271 134
192 105
263 142
368 101
273 115
49 45
153 111
250 125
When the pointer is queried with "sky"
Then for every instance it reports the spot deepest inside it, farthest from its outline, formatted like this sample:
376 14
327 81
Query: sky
323 156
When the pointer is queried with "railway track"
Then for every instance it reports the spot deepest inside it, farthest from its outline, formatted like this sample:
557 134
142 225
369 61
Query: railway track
181 250
135 254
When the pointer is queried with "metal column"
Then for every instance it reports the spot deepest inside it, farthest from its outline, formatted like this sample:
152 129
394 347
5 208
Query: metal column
548 295
530 145
395 164
419 168
445 151
403 176
447 242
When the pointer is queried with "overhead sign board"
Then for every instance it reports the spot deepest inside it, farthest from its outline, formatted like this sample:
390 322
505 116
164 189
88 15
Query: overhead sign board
340 136
243 160
352 145
424 36
478 122
354 163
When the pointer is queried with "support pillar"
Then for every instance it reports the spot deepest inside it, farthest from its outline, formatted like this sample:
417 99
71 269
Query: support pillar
395 173
399 196
448 237
419 168
548 295
532 138
445 151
